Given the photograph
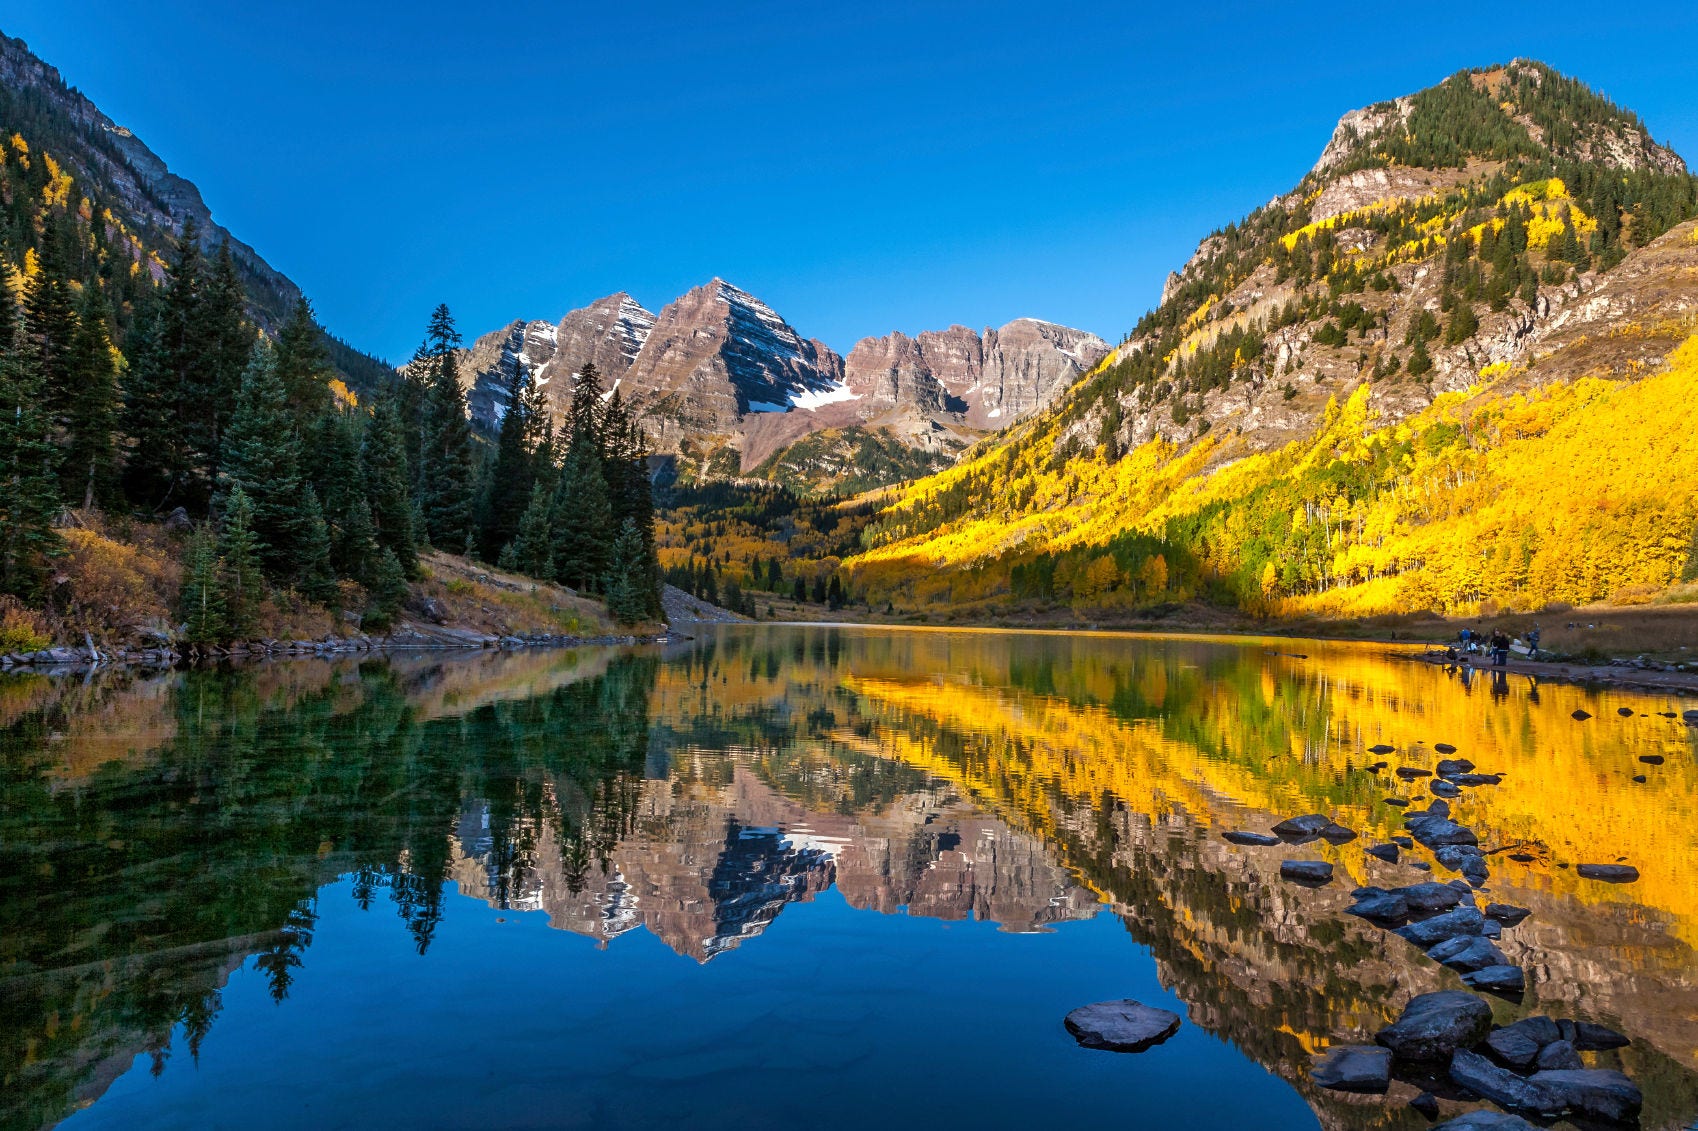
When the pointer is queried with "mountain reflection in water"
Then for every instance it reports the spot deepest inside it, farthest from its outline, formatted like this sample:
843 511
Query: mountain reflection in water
164 838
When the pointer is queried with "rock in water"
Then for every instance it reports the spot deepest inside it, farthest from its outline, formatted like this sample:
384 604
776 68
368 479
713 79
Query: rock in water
1386 852
1506 913
1485 1121
1442 788
1500 1085
1121 1026
1435 1025
1444 748
1449 766
1610 873
1581 716
1592 1037
1431 896
1382 748
1306 826
1383 907
1355 1068
1502 979
1514 1047
1601 1093
1428 933
1262 839
1467 954
1427 1104
1559 1056
1306 871
1651 759
1409 773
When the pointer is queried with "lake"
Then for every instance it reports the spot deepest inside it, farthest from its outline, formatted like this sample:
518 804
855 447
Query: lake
789 876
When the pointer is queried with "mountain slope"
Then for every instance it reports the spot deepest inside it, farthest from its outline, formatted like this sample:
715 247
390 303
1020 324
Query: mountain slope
728 388
140 203
1456 258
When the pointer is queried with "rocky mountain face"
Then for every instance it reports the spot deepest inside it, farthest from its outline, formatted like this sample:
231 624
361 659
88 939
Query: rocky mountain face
728 387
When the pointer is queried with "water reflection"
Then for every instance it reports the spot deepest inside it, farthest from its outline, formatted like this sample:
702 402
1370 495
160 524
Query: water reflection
157 835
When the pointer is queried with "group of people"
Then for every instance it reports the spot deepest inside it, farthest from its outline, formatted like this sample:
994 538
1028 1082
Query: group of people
1497 644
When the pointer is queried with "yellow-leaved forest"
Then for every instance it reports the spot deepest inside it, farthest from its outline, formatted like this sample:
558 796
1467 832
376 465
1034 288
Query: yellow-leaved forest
1504 494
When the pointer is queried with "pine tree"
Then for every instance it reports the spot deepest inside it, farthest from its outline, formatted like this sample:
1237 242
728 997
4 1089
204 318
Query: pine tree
313 569
243 582
386 591
303 363
532 546
583 417
90 470
626 572
583 518
334 470
383 472
446 445
160 471
223 342
29 484
262 459
1462 326
200 600
50 323
510 474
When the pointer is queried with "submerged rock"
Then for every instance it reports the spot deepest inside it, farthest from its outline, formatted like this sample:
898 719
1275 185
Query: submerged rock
1580 716
1121 1026
1307 827
1651 759
1506 913
1444 748
1467 953
1448 766
1500 1085
1306 871
1442 788
1475 779
1485 1121
1397 801
1602 1093
1610 873
1428 933
1382 748
1387 852
1410 773
1338 834
1502 979
1262 839
1354 1068
1434 1025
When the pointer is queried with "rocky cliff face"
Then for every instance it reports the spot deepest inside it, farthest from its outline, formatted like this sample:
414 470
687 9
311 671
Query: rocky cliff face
727 386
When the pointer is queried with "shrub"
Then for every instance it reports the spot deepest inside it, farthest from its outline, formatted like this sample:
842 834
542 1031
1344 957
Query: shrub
21 630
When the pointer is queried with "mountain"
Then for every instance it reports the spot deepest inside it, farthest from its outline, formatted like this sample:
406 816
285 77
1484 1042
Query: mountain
142 204
729 388
1443 371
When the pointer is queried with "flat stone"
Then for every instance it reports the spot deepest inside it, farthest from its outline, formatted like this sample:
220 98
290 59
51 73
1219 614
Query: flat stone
1448 766
1410 773
1121 1026
1513 1047
1382 748
1640 779
1559 1056
1491 929
1305 826
1580 716
1501 979
1354 1068
1306 871
1651 759
1403 841
1467 954
1435 831
1475 779
1337 834
1591 1037
1444 748
1486 1121
1428 933
1387 852
1431 896
1262 839
1434 1025
1506 913
1500 1085
1397 801
1609 873
1539 1029
1442 788
1385 908
1602 1093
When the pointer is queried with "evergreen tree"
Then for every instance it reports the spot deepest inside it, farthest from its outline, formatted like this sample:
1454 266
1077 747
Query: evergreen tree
510 474
387 591
243 581
446 446
50 323
1462 326
1420 362
200 600
334 469
262 459
161 471
223 342
583 518
383 471
583 417
313 569
532 547
303 363
91 420
626 573
29 484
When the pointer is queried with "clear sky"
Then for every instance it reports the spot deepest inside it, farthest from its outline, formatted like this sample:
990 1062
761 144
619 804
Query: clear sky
862 166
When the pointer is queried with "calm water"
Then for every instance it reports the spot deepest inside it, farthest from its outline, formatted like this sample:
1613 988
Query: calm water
787 877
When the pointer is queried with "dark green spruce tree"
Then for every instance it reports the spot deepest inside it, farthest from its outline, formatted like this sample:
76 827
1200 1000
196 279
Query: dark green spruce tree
90 470
383 472
29 474
447 457
243 580
583 517
303 363
262 459
508 485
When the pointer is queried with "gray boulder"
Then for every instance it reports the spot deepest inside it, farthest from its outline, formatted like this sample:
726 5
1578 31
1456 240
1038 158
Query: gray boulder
1467 954
1601 1093
1410 773
1513 1046
1121 1026
1609 873
1559 1056
1541 1030
1442 788
1381 907
1593 1037
1448 766
1387 852
1500 1085
1431 896
1428 933
1435 831
1434 1025
1262 839
1354 1068
1306 871
1308 826
1502 979
1506 913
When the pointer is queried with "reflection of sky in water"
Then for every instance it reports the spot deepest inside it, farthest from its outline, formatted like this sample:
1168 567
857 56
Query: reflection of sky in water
711 833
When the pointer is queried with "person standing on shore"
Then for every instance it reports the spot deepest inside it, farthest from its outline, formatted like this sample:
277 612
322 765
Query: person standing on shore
1500 648
1533 642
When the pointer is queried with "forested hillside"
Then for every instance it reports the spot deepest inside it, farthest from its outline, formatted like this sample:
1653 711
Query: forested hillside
183 459
1444 371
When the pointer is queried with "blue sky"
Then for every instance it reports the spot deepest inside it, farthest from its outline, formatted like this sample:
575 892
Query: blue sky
864 167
